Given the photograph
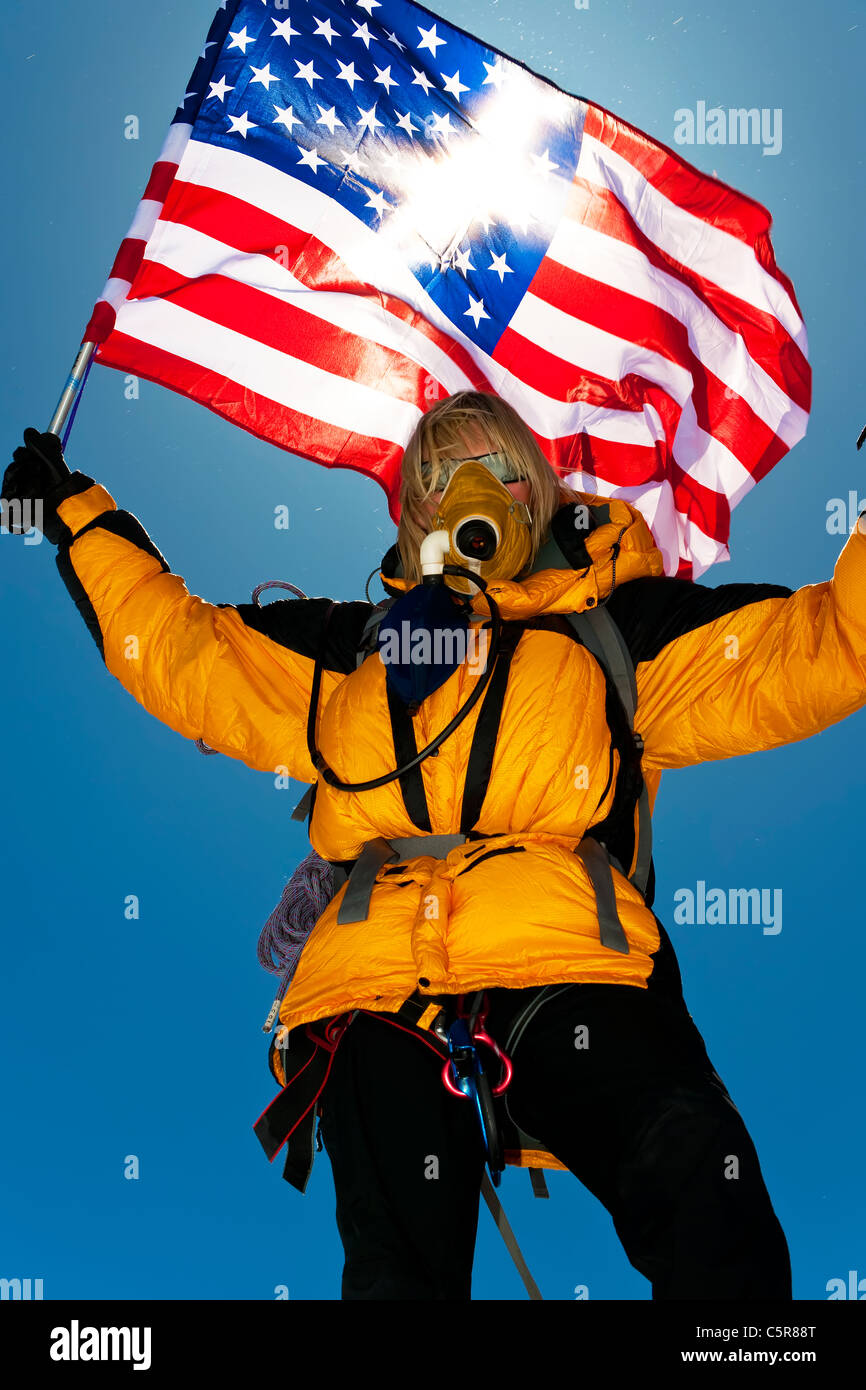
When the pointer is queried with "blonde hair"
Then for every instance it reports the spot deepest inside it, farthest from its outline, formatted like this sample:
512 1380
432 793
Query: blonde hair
442 433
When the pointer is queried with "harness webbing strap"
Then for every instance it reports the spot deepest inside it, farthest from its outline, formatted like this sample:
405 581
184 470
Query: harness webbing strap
508 1236
539 1186
597 862
291 1116
355 906
356 899
600 634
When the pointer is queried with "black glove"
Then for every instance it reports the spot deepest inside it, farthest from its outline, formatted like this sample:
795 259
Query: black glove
38 473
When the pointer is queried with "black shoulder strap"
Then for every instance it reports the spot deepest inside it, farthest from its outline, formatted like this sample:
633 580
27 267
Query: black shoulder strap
480 762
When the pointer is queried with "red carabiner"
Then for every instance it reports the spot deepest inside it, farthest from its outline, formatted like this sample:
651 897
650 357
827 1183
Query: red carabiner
480 1034
449 1084
331 1033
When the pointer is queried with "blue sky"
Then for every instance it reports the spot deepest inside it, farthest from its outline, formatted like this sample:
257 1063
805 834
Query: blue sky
144 1037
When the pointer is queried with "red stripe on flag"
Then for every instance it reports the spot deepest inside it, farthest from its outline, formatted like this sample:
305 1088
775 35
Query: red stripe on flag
719 411
767 342
259 415
631 465
160 180
545 371
266 319
705 197
246 228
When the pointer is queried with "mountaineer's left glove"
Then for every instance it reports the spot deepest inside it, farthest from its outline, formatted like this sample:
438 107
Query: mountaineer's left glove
38 473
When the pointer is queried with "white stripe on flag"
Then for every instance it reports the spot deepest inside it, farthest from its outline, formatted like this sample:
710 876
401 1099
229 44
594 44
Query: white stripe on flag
716 255
622 267
336 400
698 453
194 254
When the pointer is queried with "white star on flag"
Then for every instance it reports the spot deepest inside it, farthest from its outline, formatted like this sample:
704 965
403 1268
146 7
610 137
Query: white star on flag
218 90
440 125
363 33
307 73
240 39
286 117
240 125
368 119
328 118
453 84
311 158
429 39
543 164
348 74
283 30
352 161
422 80
379 202
407 124
385 79
476 310
499 265
325 28
495 73
264 75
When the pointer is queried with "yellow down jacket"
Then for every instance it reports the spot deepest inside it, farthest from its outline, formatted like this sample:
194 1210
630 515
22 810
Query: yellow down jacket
720 672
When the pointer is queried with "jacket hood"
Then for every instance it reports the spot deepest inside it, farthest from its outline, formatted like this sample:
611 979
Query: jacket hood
605 541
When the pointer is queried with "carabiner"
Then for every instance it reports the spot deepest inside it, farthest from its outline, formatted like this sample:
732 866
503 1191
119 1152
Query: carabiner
481 1035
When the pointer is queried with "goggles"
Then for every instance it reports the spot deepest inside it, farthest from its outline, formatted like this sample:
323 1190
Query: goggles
498 464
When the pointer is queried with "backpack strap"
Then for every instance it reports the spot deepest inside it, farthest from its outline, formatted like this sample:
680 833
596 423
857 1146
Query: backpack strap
367 643
600 635
596 630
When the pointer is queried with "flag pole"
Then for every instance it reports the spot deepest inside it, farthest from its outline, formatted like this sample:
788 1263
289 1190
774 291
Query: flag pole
71 390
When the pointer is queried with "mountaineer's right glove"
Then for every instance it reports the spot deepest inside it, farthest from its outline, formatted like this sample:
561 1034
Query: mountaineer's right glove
38 474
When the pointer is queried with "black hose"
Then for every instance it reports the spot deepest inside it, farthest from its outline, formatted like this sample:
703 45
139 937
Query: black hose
496 629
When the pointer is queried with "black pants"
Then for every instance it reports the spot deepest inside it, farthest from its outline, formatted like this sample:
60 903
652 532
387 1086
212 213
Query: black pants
638 1115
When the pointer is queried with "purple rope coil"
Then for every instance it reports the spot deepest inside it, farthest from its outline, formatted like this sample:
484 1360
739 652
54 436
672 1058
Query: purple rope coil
285 934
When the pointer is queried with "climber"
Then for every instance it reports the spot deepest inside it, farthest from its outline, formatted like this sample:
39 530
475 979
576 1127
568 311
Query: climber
534 887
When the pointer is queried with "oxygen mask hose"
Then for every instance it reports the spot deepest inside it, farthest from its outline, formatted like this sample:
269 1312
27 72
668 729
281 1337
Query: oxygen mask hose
434 569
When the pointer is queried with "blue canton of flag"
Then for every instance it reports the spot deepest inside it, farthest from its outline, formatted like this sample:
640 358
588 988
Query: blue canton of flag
403 120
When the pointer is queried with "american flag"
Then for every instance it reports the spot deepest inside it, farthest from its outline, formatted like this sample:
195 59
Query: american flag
360 209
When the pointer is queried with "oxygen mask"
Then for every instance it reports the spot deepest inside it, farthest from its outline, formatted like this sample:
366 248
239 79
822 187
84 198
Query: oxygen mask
477 524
